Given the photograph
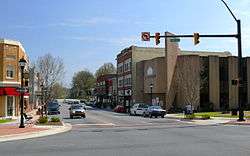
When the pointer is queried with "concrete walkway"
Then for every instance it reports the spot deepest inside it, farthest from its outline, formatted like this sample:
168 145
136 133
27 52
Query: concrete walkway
212 121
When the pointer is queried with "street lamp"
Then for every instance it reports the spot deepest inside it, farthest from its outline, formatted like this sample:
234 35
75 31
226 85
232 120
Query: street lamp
22 63
151 92
240 72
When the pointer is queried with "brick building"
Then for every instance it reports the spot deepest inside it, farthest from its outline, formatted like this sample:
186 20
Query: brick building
10 77
106 90
126 70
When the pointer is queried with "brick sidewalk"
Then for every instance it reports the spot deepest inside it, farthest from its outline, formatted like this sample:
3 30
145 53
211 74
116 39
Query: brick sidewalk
14 129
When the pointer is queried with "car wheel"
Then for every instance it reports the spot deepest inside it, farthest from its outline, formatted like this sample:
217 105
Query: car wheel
135 113
71 116
162 116
84 116
144 114
150 115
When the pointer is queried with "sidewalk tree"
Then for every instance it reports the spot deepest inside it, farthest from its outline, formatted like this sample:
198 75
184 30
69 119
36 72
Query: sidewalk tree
106 68
82 83
51 70
189 80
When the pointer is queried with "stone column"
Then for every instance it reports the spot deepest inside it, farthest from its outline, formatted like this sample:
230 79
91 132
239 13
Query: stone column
214 81
233 89
172 50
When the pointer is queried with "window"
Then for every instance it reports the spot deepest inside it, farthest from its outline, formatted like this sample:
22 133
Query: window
10 72
10 105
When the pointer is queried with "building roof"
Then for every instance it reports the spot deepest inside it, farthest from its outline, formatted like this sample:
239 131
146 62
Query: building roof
12 42
206 53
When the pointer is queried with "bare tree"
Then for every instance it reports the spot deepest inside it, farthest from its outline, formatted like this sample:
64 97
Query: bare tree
51 70
106 68
188 79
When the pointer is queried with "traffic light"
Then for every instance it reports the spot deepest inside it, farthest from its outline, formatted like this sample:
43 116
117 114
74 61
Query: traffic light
157 38
196 38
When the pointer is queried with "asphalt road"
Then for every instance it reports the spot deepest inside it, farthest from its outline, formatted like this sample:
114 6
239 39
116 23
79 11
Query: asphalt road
109 134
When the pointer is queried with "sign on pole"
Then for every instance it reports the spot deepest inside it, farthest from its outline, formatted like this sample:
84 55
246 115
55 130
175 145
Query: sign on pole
175 39
145 36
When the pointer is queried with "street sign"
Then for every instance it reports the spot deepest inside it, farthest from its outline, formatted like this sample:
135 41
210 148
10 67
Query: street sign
145 36
175 39
21 90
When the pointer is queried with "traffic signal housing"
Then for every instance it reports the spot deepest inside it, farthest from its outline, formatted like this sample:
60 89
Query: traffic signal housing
157 38
196 38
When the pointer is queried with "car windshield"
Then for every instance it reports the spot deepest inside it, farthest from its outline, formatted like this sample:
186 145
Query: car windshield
155 107
53 105
77 107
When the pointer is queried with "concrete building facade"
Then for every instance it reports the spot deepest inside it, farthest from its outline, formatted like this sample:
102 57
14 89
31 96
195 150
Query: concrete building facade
203 79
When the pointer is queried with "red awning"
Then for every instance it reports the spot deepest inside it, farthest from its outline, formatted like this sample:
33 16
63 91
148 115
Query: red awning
11 91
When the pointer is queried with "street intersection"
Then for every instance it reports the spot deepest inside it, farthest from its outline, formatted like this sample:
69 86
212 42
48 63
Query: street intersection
110 134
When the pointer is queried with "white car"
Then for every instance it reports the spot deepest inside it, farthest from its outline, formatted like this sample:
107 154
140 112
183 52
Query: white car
138 109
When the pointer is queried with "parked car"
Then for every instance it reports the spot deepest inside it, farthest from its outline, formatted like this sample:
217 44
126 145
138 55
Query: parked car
138 108
76 110
119 109
154 111
53 108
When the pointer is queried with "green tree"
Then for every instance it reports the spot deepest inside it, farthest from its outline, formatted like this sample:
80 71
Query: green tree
59 91
82 83
106 68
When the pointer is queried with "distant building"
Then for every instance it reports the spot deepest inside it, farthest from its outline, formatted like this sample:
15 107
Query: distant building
10 77
105 90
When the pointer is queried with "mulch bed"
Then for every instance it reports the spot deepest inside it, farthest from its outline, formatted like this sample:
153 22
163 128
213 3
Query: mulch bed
51 124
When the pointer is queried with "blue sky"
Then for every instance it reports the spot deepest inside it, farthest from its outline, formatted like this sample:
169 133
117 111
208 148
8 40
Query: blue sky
86 34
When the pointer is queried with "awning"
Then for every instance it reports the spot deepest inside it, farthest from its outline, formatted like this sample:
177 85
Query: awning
11 91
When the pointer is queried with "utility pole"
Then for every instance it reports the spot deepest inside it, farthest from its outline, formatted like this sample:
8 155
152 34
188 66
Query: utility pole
240 72
145 36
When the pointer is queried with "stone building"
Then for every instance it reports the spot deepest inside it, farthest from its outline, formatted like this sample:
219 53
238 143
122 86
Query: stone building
10 77
203 79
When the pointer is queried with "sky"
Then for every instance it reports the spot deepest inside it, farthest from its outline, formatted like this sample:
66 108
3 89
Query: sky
86 34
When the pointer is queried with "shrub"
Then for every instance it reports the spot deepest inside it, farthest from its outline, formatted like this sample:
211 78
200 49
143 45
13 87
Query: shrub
189 116
55 119
43 119
205 116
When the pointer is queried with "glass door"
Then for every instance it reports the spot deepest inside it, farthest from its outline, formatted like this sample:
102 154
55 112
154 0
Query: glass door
10 106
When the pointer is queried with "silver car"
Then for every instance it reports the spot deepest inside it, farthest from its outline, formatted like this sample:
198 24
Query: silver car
77 110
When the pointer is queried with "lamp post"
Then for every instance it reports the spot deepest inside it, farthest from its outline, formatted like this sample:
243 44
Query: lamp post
22 63
240 72
151 92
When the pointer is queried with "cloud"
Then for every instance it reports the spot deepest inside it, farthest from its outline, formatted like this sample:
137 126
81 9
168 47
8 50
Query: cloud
114 41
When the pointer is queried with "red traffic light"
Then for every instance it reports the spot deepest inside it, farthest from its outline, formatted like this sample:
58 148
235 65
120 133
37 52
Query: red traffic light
157 38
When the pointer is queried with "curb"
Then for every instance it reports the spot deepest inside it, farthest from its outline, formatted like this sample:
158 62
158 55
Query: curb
51 131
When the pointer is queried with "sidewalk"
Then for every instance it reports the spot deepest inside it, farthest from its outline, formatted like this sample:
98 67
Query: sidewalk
211 121
11 131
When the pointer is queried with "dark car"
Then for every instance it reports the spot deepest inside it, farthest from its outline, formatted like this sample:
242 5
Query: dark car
53 108
154 111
